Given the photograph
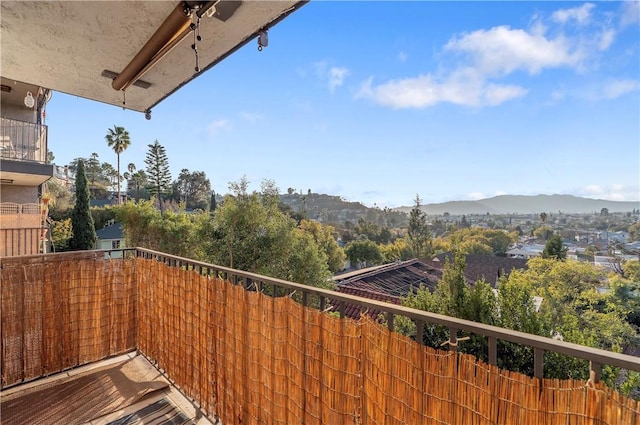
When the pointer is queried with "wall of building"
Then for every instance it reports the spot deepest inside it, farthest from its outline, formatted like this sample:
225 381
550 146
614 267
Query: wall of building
19 112
18 194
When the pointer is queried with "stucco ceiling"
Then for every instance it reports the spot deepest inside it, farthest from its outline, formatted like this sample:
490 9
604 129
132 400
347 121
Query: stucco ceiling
66 46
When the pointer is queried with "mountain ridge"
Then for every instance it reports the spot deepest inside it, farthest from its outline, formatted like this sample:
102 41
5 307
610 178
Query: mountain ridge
526 204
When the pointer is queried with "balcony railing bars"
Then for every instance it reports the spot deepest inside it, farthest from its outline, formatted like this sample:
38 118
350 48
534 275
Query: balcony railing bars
24 141
277 287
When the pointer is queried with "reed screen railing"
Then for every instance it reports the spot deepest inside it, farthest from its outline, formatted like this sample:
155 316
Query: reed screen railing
248 357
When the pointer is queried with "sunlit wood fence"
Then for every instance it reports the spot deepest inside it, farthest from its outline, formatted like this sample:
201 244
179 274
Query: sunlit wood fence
251 358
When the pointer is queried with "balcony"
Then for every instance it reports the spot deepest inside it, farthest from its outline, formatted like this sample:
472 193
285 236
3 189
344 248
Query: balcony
23 153
22 228
23 141
247 349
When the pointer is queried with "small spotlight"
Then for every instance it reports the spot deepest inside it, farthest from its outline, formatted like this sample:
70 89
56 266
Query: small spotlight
263 40
147 114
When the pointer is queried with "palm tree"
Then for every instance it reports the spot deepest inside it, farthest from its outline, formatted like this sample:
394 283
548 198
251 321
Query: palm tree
118 139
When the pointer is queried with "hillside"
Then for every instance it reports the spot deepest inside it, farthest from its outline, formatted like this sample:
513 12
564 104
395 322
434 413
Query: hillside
333 209
520 204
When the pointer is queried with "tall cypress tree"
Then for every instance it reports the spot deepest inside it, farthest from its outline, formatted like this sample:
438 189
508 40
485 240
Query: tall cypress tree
84 231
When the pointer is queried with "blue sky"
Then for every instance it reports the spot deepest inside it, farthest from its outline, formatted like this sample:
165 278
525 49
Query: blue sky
379 101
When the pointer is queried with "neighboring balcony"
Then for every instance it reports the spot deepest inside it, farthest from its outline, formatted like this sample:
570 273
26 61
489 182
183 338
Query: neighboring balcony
23 153
22 229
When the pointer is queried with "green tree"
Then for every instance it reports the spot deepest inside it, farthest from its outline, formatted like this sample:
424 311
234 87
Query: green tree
324 236
482 241
192 188
419 235
84 232
118 139
543 217
554 249
543 232
363 253
398 250
634 232
61 233
249 232
93 167
212 203
452 287
158 173
136 185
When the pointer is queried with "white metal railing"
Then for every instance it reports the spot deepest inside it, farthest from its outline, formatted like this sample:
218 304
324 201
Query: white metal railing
23 140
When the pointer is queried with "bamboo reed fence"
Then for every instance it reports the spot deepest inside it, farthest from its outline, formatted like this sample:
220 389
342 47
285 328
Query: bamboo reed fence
60 313
249 358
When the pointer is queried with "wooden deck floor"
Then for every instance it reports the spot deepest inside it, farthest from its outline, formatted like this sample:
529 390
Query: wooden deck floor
125 390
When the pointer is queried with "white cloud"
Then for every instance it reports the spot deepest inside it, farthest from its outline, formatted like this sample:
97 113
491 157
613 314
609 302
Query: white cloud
252 117
336 77
614 192
474 196
581 14
495 94
403 56
619 88
630 13
216 126
606 39
462 88
486 56
502 50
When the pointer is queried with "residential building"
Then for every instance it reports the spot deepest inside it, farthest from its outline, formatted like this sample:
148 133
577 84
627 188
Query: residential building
110 237
23 168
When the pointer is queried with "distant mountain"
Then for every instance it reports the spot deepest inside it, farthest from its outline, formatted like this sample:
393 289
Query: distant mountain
519 204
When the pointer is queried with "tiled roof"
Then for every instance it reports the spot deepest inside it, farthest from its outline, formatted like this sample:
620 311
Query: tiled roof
487 267
353 311
394 281
389 283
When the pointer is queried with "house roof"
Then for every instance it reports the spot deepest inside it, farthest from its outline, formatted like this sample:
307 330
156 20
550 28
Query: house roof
396 279
388 283
487 267
115 231
79 48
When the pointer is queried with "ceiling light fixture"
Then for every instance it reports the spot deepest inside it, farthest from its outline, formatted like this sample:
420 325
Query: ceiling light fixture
172 31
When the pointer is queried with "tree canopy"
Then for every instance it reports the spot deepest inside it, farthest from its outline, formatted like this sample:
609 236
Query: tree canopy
192 188
554 248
